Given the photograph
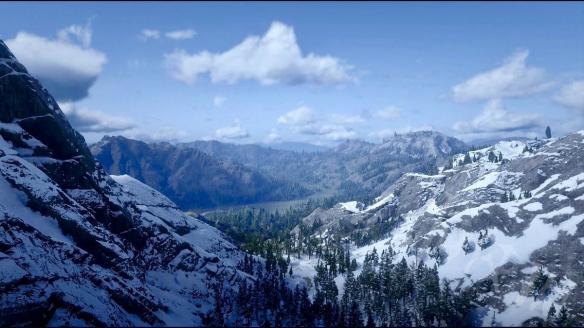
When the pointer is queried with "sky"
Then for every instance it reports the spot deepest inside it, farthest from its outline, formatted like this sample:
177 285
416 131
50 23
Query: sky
307 72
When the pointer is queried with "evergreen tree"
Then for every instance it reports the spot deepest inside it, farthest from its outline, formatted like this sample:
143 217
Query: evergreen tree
492 157
538 283
551 316
548 132
370 322
467 159
563 318
354 316
218 309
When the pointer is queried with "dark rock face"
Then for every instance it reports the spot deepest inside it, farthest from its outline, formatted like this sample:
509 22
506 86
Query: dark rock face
80 248
191 178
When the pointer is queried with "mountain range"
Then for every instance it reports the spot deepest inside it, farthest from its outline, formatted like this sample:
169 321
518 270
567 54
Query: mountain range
204 174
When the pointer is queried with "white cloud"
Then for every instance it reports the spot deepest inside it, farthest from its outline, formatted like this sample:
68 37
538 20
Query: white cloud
86 120
273 136
347 119
234 131
303 120
512 79
272 58
572 95
218 101
167 134
147 34
328 131
66 69
181 34
301 116
388 113
496 120
82 34
388 133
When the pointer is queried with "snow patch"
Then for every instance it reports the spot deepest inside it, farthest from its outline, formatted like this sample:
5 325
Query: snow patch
533 207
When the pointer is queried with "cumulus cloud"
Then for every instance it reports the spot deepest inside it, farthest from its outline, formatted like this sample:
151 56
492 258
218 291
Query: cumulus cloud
235 131
76 33
273 136
164 133
85 120
388 113
572 95
181 34
332 132
65 68
301 116
148 34
512 79
495 119
218 101
272 58
304 121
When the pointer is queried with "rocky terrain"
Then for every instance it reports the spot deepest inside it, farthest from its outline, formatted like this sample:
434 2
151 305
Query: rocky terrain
497 219
78 247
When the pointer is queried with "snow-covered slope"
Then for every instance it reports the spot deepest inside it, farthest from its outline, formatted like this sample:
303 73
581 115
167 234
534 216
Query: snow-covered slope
80 248
525 208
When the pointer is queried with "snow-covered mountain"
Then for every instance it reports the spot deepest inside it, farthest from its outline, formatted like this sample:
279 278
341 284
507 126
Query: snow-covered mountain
78 247
493 219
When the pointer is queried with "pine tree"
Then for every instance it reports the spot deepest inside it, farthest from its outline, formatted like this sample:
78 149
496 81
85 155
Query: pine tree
218 309
563 319
492 158
370 322
551 316
504 197
354 316
500 157
467 159
538 283
548 132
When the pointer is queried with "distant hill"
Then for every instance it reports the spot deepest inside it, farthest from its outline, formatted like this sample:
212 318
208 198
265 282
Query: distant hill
190 177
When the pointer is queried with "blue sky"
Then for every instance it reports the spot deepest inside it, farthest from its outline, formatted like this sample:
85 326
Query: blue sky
313 72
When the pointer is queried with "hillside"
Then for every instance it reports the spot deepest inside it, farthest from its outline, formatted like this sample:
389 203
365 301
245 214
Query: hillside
80 248
489 223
